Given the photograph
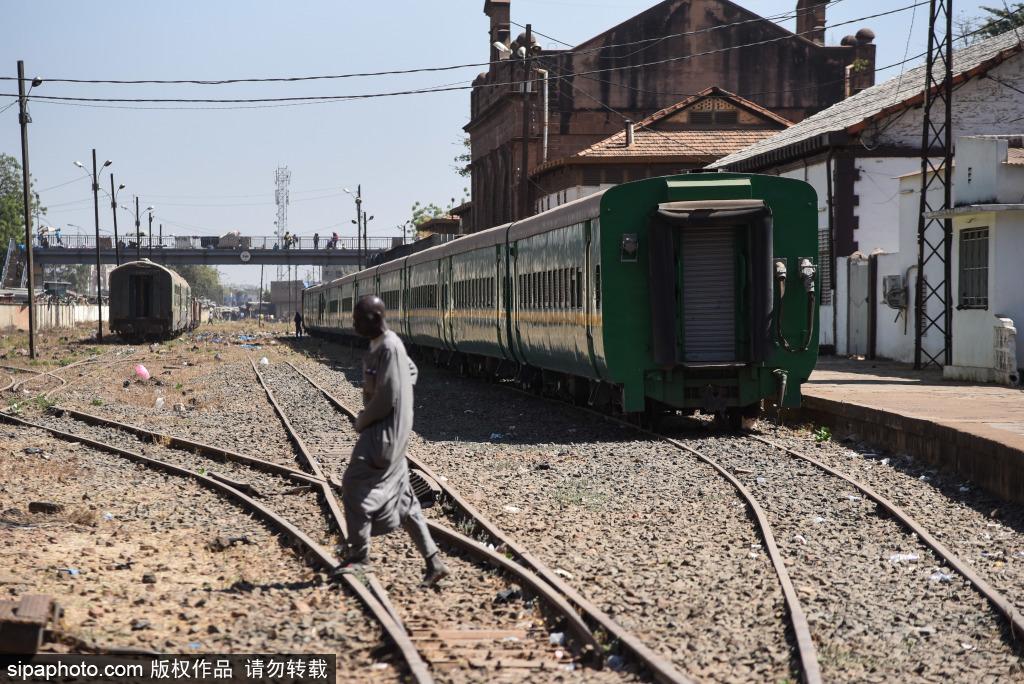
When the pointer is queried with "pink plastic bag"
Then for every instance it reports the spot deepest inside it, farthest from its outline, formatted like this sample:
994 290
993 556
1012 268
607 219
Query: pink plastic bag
141 372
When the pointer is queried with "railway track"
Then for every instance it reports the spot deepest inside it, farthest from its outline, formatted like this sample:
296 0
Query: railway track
573 605
190 459
916 543
911 542
447 648
18 387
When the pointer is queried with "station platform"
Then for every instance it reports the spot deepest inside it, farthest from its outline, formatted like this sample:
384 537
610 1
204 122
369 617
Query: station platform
974 430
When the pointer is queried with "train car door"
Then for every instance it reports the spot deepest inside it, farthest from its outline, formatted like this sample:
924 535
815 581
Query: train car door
140 296
592 278
504 301
447 324
403 299
515 336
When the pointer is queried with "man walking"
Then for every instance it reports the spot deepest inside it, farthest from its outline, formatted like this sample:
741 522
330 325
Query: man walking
298 323
316 240
375 487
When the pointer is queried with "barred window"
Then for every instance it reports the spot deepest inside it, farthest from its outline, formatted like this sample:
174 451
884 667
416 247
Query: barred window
332 306
974 269
390 299
346 305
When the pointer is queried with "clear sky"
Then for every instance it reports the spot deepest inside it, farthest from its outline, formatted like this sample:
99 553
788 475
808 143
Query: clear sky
209 171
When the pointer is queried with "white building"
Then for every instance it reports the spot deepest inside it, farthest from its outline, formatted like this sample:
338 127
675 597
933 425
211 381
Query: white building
988 253
857 155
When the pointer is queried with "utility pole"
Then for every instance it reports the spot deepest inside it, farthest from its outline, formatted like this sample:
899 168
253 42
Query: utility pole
24 120
259 311
359 223
99 265
162 241
524 180
150 235
138 233
113 207
934 235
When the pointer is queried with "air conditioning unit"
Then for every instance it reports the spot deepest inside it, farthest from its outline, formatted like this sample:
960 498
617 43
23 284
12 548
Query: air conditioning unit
894 290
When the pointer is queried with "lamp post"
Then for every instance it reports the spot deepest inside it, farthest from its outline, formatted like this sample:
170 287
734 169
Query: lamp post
113 207
366 250
359 211
150 211
138 232
96 215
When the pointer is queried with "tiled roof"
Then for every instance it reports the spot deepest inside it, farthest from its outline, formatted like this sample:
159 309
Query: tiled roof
856 112
1015 156
703 145
715 91
695 145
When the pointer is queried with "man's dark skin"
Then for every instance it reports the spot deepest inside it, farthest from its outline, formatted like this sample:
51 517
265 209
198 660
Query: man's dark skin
368 317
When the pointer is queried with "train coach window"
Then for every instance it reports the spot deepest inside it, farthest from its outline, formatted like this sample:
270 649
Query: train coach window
579 288
597 287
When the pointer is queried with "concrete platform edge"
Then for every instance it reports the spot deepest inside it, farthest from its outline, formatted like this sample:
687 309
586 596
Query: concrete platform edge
991 465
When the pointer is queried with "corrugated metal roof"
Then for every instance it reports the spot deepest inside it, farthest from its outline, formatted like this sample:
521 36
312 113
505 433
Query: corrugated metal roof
853 113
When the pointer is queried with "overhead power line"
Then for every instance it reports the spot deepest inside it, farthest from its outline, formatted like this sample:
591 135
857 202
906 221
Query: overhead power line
313 99
416 70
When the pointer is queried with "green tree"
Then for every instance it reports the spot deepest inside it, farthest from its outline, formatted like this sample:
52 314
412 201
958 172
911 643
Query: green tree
464 160
424 212
79 275
204 281
12 206
1002 20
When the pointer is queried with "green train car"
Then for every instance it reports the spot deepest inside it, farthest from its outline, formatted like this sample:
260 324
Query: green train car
688 292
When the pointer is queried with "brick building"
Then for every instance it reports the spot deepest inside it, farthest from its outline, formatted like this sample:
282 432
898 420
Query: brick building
687 136
674 50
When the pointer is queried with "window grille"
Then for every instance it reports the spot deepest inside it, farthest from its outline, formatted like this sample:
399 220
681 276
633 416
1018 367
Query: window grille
974 268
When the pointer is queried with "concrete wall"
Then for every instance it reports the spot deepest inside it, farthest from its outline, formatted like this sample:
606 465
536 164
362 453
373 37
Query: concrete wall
15 316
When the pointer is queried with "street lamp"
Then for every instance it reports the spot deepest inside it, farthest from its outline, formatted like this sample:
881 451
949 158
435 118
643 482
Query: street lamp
149 210
366 250
359 213
96 214
113 209
138 233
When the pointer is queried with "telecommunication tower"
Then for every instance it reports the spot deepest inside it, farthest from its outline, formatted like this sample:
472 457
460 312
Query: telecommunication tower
282 177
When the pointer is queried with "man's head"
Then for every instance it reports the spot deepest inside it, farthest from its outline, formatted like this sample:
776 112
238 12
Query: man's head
368 317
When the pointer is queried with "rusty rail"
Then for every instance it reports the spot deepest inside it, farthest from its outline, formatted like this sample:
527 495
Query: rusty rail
202 448
313 550
1000 602
417 667
660 667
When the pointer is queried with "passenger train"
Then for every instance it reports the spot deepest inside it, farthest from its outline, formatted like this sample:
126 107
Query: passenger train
689 292
151 302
